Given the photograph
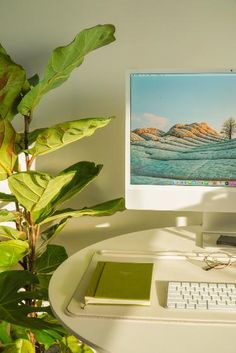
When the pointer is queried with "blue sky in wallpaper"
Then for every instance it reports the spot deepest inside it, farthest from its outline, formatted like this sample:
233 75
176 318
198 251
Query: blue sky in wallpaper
162 100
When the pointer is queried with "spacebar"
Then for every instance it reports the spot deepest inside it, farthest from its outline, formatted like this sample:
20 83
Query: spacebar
221 307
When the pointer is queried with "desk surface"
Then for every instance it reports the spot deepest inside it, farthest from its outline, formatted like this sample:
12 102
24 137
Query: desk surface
137 336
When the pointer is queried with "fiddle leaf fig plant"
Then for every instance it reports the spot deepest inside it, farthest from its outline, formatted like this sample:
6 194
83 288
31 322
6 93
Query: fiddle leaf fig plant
27 256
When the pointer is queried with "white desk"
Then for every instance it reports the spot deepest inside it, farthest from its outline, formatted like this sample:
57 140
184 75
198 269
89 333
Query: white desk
134 336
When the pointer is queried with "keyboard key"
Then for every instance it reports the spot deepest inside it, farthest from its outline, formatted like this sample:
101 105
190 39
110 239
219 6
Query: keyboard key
202 305
230 285
221 285
212 285
180 305
194 285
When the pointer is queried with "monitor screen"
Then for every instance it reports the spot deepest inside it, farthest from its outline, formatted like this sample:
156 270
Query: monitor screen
180 134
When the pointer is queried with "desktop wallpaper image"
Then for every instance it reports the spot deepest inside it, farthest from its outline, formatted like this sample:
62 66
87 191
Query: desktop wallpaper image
183 129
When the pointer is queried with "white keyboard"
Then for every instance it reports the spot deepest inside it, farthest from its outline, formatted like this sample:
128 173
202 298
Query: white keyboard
201 296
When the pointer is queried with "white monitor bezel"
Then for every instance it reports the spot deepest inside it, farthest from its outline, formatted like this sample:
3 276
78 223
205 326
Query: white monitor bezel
168 197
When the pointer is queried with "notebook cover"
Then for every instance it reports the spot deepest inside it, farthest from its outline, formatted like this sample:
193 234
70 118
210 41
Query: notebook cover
121 280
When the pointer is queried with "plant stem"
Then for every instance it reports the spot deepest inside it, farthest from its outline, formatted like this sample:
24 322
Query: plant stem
29 161
26 130
18 221
32 230
33 240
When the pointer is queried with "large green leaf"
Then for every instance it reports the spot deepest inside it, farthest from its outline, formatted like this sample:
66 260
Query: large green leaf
6 216
13 307
50 139
36 191
64 60
41 193
104 209
11 233
8 138
11 252
12 79
20 346
50 259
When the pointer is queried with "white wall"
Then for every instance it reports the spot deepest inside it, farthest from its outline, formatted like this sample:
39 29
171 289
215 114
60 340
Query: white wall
151 34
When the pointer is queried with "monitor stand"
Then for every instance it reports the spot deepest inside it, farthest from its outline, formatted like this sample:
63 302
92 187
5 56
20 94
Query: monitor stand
215 224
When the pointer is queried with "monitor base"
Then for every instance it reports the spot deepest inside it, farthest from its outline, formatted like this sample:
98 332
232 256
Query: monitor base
215 225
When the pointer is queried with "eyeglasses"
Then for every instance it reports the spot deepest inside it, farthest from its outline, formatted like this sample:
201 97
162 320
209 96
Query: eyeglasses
218 260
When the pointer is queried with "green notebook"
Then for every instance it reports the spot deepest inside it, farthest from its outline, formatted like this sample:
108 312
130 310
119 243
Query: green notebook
120 283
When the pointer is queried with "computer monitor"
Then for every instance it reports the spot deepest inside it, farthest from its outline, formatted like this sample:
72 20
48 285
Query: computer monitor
181 141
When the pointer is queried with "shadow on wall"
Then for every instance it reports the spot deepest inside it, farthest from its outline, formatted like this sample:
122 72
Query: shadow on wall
88 230
85 231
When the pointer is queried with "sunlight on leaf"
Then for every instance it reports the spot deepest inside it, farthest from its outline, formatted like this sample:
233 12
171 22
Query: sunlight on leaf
64 60
60 135
104 209
36 191
11 252
41 193
20 346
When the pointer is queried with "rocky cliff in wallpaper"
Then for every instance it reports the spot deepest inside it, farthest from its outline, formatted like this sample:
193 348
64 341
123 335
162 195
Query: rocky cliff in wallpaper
185 152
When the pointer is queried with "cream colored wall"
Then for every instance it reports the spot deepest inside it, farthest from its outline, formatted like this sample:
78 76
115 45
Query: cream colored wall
151 34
